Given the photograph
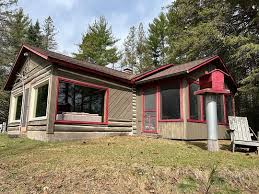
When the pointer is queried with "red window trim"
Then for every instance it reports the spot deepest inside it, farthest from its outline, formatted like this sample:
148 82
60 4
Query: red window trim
181 104
80 83
76 82
144 111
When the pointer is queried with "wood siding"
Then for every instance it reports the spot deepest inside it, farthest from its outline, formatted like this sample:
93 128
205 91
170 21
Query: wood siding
171 130
35 70
32 68
120 100
120 97
182 130
120 104
199 131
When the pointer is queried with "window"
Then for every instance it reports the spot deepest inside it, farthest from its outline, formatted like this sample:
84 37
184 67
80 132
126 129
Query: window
42 100
220 108
229 105
195 102
170 101
18 107
80 103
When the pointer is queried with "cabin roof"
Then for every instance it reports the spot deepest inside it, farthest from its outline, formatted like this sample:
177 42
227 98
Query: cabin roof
161 72
185 68
64 60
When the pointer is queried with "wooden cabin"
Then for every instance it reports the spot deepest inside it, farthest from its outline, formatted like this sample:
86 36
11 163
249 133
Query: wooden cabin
55 97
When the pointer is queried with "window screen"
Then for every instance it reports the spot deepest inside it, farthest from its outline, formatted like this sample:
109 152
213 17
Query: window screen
150 109
18 108
195 102
220 108
150 99
229 105
42 97
74 99
170 100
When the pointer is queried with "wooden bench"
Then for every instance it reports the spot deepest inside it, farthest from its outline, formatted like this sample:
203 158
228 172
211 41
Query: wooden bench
241 133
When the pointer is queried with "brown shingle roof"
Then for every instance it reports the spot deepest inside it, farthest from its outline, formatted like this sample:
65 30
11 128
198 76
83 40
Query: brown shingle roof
175 70
88 65
66 61
156 74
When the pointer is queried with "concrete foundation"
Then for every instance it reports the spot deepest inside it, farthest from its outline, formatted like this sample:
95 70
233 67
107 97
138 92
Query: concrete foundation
65 136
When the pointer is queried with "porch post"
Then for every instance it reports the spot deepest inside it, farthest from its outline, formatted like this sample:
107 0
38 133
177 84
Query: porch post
51 113
212 122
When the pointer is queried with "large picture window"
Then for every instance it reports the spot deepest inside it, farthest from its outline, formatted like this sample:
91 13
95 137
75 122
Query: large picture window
42 100
170 101
195 102
18 107
78 102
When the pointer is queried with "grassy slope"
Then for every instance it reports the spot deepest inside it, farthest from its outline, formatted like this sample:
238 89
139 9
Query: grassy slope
123 165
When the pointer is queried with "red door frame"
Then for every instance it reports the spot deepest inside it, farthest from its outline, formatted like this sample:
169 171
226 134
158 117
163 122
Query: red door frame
155 87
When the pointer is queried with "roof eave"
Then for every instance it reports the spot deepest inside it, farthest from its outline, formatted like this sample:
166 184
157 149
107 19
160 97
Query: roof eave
141 76
85 69
160 78
7 84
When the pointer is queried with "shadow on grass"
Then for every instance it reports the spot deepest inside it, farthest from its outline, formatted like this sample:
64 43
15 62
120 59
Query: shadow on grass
223 146
203 145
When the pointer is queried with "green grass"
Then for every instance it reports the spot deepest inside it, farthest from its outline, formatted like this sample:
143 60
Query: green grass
123 165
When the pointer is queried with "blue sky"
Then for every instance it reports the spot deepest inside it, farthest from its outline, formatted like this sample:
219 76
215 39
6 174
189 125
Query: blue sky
71 17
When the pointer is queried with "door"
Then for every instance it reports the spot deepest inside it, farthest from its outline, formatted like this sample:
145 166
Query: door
149 110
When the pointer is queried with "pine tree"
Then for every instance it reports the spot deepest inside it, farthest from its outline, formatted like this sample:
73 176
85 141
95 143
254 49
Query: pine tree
98 44
49 33
130 50
136 54
5 13
34 35
194 29
157 39
17 30
229 29
144 61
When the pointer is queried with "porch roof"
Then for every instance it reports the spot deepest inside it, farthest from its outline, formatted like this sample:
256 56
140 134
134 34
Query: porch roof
185 68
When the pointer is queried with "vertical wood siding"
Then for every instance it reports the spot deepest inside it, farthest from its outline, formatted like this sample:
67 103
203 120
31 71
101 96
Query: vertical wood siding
171 130
199 131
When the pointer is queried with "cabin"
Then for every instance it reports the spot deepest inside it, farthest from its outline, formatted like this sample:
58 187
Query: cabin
55 97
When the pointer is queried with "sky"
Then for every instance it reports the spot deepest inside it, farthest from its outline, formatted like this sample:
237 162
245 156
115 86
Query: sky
71 17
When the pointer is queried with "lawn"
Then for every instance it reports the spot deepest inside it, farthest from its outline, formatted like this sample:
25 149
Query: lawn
124 165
